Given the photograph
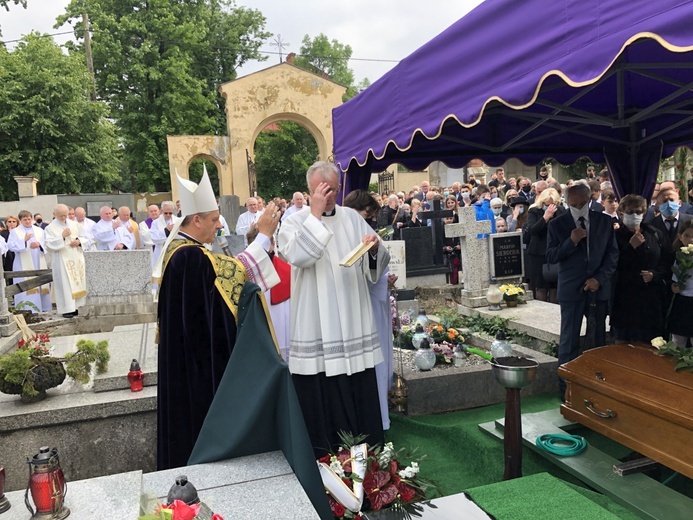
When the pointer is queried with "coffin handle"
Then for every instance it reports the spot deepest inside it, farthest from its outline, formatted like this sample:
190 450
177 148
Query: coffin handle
610 414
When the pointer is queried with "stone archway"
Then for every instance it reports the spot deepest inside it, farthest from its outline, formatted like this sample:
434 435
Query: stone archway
283 92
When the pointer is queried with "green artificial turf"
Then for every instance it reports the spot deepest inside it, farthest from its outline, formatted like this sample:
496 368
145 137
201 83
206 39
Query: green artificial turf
460 457
537 497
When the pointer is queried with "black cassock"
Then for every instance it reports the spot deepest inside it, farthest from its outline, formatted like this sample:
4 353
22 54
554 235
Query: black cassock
197 332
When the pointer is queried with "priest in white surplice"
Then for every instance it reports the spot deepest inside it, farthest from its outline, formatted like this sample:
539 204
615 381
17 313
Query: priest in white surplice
27 241
334 340
69 279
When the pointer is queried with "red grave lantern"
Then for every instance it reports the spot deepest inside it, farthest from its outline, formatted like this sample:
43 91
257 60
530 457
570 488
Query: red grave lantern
47 486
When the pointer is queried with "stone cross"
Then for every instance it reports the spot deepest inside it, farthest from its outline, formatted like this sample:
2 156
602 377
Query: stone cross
474 250
437 228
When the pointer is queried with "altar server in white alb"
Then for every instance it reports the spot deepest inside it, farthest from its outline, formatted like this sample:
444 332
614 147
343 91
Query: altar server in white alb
64 239
27 242
334 340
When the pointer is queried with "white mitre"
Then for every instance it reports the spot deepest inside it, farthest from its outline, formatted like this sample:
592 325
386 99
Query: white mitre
196 198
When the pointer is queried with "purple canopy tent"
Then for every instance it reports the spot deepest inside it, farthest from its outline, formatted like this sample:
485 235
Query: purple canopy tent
607 79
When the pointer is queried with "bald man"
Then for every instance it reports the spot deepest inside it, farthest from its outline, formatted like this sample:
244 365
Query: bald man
297 203
69 280
247 219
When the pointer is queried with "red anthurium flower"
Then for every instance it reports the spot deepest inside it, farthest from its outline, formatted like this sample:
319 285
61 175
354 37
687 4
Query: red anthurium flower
406 492
182 511
379 489
217 516
325 459
344 456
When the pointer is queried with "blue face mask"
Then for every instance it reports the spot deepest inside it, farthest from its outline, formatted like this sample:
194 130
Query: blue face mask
446 193
669 209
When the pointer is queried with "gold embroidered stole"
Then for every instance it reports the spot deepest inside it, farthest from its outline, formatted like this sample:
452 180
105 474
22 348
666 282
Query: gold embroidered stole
136 232
231 276
73 261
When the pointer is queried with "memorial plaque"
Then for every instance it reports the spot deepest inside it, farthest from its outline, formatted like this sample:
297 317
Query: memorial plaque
418 248
506 255
94 208
398 261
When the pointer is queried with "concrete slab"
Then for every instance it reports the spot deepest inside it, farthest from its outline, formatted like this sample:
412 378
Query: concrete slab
114 496
253 487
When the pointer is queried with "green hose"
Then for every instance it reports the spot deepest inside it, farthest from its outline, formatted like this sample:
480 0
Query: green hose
562 444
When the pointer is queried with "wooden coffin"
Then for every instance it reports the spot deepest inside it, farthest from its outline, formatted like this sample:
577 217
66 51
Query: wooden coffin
634 396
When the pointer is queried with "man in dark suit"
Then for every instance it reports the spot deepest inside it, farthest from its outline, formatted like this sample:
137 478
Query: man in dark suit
669 220
584 245
653 212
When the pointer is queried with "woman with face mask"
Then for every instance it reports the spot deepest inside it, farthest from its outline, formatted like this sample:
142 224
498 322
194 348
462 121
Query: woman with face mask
518 216
545 208
637 313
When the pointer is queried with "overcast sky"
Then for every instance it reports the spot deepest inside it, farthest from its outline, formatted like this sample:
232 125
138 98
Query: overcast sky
375 29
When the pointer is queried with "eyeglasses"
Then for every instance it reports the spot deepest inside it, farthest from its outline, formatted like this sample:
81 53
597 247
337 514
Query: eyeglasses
168 212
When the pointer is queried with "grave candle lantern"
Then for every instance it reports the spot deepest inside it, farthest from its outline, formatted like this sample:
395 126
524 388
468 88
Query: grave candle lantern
494 296
135 376
47 486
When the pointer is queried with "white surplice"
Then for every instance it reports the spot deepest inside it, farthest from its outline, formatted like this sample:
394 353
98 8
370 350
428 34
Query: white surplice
106 237
60 246
332 325
27 258
380 299
157 233
87 231
245 220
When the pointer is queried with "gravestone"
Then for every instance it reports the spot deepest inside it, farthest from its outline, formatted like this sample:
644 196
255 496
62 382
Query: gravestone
474 253
119 283
230 208
421 268
435 217
506 255
398 261
94 208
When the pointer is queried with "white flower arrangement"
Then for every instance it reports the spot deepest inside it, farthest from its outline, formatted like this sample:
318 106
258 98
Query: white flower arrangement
410 471
386 455
336 466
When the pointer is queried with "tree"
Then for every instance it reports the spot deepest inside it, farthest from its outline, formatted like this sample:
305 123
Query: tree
324 57
49 128
282 158
158 63
6 5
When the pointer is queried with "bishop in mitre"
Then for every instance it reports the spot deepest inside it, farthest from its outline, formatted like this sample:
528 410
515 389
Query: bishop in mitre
63 240
198 313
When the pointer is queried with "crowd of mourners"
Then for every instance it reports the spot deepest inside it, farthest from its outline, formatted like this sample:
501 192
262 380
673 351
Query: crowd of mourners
648 234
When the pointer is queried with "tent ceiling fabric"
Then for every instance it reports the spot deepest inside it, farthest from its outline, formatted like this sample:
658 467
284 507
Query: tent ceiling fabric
503 82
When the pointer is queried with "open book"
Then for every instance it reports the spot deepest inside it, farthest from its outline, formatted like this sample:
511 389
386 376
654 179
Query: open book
352 257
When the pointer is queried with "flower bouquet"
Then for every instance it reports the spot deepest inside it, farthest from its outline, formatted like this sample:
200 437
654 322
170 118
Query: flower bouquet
512 294
681 270
358 478
683 356
178 510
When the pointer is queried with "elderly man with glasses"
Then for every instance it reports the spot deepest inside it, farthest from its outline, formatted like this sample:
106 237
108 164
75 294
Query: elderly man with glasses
161 228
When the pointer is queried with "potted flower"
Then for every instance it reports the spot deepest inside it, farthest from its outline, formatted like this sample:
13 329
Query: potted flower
31 369
512 294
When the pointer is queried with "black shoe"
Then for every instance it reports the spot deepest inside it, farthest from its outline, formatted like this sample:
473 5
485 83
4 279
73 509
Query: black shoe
68 315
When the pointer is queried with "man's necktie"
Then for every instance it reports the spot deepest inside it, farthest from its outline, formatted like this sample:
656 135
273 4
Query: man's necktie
671 226
581 220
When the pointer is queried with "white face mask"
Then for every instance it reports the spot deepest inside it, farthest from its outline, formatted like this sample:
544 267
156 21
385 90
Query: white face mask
496 211
577 213
632 220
